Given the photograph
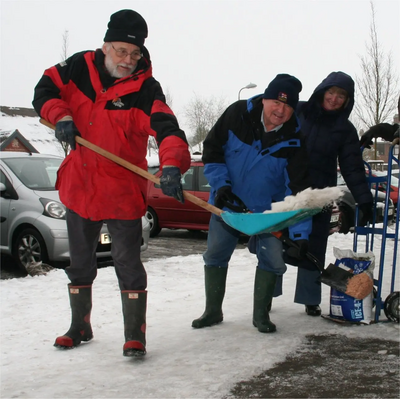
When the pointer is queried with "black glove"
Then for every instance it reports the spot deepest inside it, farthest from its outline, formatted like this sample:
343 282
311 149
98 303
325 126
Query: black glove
66 132
170 182
382 130
300 251
224 195
226 198
365 213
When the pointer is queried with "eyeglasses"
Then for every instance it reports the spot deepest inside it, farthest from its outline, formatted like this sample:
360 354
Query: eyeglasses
122 53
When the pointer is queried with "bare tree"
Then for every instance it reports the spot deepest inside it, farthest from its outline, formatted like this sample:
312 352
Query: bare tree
64 56
378 85
152 146
168 98
64 46
201 115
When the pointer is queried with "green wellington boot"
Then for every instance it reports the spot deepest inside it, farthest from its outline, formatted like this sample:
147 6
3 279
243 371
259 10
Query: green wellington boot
264 285
215 282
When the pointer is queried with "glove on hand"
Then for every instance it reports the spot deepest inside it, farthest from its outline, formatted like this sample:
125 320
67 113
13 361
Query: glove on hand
365 213
66 132
224 195
170 182
299 252
382 130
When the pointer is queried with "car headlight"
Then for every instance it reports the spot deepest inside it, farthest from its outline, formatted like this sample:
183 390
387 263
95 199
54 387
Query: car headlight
53 208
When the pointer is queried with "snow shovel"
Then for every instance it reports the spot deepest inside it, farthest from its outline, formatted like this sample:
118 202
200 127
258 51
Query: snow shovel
247 223
341 278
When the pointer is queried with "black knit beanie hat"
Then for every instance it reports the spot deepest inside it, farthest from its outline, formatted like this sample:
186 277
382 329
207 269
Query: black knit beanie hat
284 88
126 26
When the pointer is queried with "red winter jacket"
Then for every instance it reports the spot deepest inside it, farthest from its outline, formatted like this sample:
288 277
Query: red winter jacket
118 115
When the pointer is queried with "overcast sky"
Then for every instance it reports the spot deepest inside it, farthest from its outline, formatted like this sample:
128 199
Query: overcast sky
198 47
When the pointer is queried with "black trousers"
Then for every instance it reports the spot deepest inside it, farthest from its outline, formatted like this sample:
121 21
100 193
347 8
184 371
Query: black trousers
83 235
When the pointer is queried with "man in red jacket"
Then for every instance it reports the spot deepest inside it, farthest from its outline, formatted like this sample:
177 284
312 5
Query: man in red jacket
110 98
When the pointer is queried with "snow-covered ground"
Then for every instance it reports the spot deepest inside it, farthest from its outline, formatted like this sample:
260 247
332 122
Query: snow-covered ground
181 362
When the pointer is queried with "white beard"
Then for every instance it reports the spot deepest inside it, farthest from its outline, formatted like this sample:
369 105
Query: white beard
112 68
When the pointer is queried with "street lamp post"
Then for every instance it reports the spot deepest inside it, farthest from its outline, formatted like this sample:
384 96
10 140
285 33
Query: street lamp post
249 86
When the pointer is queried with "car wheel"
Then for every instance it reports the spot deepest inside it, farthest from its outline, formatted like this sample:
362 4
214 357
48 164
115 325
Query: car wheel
345 220
29 247
151 216
392 307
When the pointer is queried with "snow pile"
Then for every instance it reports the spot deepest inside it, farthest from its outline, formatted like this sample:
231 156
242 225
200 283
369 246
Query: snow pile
39 136
308 199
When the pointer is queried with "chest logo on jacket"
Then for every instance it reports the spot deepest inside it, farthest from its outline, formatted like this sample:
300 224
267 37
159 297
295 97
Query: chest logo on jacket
117 102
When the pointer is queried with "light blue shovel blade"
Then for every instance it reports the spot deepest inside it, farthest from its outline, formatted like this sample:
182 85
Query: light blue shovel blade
257 223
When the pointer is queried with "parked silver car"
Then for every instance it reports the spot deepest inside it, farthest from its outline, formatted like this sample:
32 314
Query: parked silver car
33 226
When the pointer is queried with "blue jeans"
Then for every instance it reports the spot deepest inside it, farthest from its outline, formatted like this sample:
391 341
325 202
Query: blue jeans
222 240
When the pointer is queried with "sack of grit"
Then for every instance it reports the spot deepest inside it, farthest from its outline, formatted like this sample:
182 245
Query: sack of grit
344 307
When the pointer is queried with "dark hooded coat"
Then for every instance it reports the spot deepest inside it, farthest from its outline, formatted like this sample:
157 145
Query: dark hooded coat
332 142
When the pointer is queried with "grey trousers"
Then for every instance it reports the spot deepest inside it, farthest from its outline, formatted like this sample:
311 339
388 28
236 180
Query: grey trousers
83 235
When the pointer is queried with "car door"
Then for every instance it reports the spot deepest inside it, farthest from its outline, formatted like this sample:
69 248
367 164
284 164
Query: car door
202 191
8 194
171 212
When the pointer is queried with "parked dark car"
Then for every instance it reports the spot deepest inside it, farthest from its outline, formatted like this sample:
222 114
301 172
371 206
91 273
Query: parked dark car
33 225
166 212
347 207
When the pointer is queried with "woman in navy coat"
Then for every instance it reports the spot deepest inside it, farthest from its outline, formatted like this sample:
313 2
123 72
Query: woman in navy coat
332 142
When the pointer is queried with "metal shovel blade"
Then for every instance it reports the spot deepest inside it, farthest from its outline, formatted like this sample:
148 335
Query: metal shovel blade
258 223
336 277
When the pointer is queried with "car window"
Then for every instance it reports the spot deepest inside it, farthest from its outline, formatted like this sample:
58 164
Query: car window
153 169
203 182
10 192
394 181
340 179
188 180
35 173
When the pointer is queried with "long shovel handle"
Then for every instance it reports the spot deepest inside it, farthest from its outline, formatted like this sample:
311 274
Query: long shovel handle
120 161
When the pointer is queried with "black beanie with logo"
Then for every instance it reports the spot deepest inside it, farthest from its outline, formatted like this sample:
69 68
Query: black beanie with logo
284 88
126 26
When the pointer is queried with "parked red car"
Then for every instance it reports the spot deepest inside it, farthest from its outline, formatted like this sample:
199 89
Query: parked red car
166 212
382 186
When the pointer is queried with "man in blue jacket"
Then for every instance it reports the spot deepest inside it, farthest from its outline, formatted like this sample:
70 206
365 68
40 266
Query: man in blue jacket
254 152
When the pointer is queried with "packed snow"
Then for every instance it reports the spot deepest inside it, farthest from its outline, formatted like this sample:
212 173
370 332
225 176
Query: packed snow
181 362
308 198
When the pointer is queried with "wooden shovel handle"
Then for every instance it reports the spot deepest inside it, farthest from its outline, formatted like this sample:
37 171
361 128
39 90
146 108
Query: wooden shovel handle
112 157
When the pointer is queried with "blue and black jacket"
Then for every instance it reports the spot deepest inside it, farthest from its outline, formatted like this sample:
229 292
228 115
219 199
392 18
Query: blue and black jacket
260 167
